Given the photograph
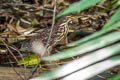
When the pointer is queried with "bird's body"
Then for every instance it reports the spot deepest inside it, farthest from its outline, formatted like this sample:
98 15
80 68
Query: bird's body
39 44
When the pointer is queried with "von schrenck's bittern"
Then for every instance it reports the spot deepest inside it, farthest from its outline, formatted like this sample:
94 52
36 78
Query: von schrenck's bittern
38 43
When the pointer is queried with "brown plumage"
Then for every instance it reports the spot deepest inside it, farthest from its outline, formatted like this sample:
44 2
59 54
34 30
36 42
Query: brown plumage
38 43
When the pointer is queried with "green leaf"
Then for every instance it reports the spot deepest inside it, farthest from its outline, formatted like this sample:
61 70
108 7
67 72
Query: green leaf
86 47
116 57
29 60
35 22
79 6
112 4
85 61
113 19
116 77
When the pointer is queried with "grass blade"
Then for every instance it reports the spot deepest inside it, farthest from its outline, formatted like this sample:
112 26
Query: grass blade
113 19
88 46
78 6
79 63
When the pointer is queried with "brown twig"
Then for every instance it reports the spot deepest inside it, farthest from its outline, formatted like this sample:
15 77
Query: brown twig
14 48
28 5
9 50
53 23
12 55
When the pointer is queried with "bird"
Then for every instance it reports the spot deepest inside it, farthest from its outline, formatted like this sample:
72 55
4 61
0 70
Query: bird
38 43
